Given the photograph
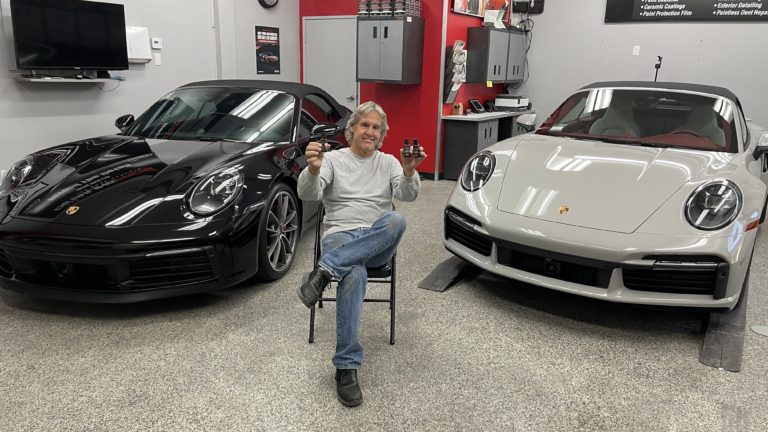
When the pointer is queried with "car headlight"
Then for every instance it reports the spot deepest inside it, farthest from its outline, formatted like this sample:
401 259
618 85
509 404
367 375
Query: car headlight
713 205
477 171
31 169
215 192
16 175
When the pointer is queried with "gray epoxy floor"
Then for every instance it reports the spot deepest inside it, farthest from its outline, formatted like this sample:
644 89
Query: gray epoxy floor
488 354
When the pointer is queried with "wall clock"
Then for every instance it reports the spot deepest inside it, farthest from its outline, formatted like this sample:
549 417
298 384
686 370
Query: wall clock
268 3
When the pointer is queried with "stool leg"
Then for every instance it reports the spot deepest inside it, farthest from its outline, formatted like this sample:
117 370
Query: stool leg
392 284
322 291
311 324
392 327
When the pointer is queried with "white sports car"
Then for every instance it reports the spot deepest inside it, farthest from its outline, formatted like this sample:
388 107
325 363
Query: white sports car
635 192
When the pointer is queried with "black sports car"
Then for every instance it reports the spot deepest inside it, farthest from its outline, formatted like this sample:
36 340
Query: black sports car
196 194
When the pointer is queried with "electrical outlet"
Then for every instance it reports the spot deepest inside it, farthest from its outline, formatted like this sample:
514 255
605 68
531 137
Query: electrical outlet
636 50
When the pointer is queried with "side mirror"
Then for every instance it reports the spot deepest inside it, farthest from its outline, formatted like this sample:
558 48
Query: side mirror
762 146
319 132
526 122
527 119
324 131
124 121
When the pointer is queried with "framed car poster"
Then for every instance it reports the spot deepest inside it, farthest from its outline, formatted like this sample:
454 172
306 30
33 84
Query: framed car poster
267 50
469 7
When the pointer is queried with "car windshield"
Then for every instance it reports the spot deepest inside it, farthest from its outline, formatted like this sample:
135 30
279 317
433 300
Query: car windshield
216 113
647 117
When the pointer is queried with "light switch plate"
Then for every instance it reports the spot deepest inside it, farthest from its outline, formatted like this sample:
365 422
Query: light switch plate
636 50
157 43
158 59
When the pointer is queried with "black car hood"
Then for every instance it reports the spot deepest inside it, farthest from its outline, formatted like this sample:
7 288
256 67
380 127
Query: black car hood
101 179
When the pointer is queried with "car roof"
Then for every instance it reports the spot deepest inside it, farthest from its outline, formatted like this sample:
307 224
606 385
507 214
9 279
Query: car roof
296 89
700 88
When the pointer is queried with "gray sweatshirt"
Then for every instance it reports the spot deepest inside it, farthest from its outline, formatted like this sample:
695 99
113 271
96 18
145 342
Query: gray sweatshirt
357 190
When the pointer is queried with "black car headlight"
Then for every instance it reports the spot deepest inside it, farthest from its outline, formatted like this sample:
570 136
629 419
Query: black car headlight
31 169
15 176
477 171
215 191
713 205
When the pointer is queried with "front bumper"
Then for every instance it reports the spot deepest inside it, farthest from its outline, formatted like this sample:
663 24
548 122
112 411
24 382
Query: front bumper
627 268
128 264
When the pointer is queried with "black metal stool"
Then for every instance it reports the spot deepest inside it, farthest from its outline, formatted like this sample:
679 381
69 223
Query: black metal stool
385 274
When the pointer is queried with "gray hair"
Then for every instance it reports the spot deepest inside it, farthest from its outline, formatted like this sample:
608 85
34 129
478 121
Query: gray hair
361 111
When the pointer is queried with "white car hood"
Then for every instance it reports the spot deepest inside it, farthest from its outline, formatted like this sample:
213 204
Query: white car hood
593 184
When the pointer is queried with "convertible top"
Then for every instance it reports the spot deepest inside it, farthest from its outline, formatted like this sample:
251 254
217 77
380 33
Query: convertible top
297 89
713 90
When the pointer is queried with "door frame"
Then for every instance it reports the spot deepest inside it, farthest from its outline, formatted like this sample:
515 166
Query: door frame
303 46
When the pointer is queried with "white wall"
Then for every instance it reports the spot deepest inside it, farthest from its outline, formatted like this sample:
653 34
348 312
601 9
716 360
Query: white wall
38 115
285 16
572 47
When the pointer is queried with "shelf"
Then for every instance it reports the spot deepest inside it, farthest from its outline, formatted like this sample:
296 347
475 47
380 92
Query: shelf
478 117
65 80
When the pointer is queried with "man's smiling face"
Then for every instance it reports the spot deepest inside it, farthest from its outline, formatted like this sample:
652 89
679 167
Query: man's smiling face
366 134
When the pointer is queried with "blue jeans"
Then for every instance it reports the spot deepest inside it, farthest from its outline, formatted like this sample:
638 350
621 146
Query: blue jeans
345 255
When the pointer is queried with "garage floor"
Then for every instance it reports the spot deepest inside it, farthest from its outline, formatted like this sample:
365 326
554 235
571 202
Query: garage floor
487 354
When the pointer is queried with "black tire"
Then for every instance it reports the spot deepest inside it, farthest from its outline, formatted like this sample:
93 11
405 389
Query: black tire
280 229
762 215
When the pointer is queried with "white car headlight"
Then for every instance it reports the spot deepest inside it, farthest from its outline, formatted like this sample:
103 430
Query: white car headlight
477 171
713 205
215 192
16 175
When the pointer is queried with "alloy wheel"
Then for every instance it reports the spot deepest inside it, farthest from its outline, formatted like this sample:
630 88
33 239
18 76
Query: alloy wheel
282 230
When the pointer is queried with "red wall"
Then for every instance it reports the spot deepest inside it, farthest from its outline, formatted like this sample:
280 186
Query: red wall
412 110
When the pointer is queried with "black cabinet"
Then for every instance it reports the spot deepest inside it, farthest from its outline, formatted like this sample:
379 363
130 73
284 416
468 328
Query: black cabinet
464 136
463 139
487 54
516 56
390 49
495 55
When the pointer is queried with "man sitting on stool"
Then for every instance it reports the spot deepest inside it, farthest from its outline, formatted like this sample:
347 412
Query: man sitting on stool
357 185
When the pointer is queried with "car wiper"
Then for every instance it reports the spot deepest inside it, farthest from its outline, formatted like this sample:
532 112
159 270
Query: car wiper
647 144
577 137
619 140
567 135
674 146
214 139
615 140
583 137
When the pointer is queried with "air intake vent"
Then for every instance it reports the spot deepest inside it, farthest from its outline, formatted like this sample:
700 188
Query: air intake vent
170 269
76 276
568 268
679 277
460 228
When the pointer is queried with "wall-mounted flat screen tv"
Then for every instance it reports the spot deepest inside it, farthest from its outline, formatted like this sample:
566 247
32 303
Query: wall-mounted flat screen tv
69 34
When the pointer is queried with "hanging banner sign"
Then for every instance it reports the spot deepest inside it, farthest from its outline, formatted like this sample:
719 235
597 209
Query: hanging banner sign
685 10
